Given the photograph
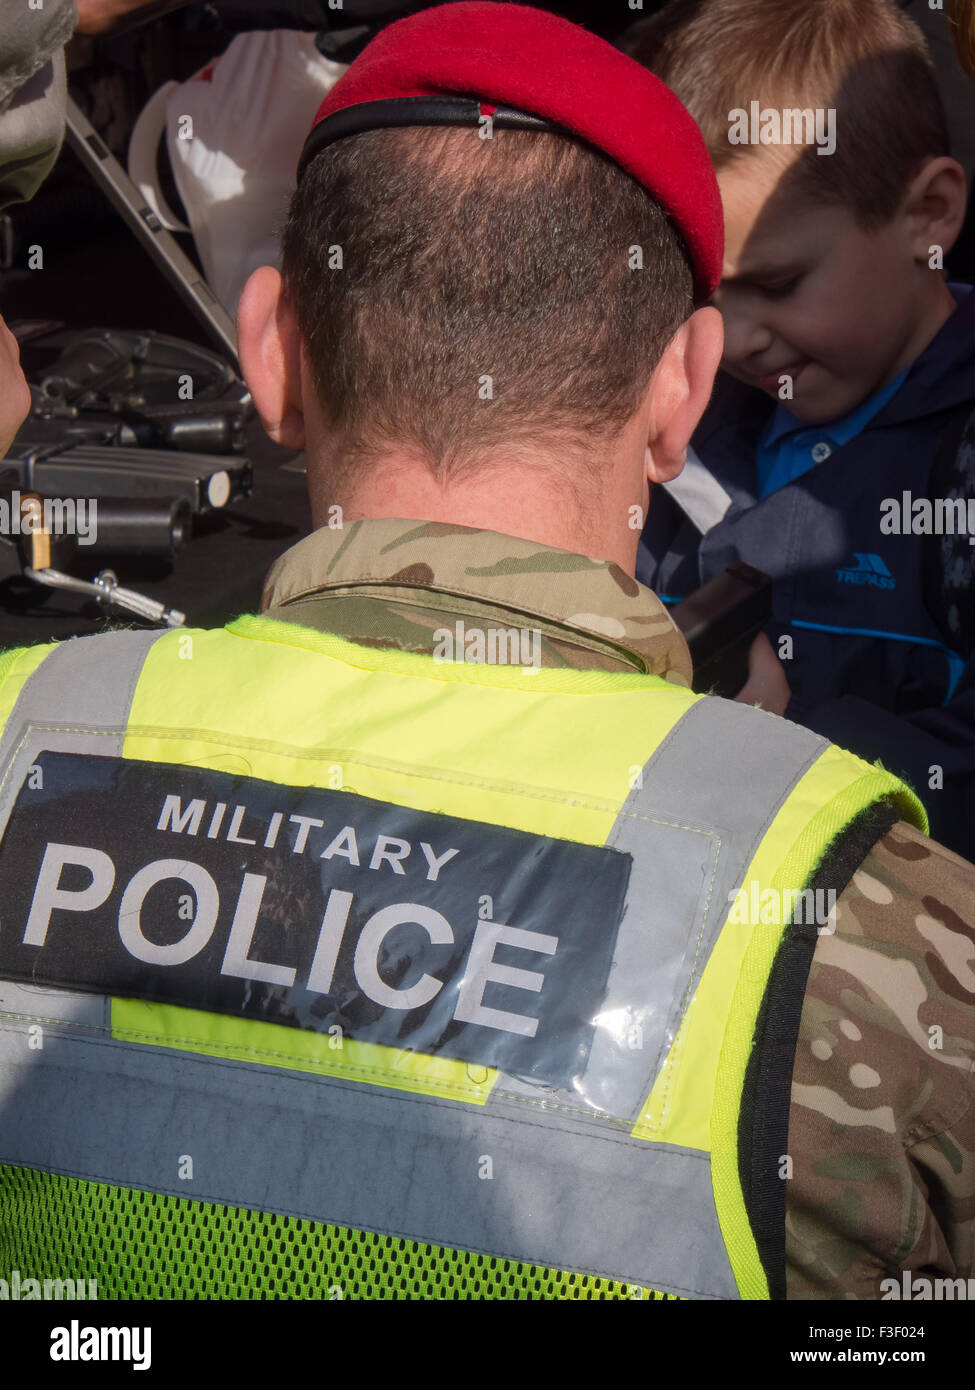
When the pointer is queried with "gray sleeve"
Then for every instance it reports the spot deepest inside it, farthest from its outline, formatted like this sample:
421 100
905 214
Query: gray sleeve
32 93
30 37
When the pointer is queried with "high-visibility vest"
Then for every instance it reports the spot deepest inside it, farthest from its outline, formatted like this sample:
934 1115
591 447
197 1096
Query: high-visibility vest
328 971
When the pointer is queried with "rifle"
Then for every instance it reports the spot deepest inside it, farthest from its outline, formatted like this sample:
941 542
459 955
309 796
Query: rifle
131 438
720 620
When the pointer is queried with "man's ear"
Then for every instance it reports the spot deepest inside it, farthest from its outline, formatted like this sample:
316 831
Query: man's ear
679 390
269 346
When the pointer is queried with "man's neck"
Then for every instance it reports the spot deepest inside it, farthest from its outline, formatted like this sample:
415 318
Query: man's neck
524 500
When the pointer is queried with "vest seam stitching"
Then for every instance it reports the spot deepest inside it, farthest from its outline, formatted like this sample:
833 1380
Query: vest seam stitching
104 1033
54 1022
138 731
615 1136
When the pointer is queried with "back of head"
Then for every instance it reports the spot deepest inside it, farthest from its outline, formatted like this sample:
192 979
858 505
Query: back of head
864 59
466 297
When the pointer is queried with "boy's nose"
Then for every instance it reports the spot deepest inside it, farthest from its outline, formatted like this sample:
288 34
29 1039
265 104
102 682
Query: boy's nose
745 336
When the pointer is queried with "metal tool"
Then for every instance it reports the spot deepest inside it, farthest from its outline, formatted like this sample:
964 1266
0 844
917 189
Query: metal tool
106 588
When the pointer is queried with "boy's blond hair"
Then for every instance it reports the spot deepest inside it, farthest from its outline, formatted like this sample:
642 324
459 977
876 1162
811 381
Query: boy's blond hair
865 59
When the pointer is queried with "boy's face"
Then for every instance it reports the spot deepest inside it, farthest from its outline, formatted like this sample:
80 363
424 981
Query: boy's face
808 293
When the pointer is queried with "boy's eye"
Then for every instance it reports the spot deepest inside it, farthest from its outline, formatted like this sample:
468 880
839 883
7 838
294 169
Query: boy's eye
781 288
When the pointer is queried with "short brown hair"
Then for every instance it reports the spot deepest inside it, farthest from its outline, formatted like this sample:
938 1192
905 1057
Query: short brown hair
863 58
464 259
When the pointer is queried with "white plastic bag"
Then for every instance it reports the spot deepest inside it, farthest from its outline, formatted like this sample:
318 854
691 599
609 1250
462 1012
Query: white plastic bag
234 132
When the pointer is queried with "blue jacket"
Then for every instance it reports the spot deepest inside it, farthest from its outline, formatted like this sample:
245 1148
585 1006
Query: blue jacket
871 668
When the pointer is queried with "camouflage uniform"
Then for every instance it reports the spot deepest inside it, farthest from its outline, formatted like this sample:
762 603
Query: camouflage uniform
882 1120
32 94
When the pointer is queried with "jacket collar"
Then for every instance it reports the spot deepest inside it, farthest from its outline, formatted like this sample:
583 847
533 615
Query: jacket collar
427 575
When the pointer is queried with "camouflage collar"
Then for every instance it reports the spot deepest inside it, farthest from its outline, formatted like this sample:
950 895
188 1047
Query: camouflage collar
591 610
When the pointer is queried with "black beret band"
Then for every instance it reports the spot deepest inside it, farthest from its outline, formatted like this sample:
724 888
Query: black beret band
414 111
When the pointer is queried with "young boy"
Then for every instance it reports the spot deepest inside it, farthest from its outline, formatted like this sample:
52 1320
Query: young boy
849 372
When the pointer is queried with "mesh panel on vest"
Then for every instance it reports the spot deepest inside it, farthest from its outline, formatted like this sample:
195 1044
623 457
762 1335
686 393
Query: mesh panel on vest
142 1245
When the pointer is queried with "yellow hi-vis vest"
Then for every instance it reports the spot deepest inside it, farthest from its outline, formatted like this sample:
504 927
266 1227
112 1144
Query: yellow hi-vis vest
332 971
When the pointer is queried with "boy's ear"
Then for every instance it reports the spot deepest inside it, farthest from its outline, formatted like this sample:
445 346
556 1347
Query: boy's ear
679 390
269 347
935 206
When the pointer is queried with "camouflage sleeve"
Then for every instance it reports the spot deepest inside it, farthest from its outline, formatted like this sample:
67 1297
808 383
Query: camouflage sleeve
882 1113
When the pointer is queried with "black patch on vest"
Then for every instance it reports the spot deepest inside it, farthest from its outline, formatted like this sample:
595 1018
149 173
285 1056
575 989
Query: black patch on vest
763 1126
552 906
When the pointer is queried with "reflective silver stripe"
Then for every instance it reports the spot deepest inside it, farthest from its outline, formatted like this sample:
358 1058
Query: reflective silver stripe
667 917
698 493
725 769
690 850
84 685
55 1008
561 1195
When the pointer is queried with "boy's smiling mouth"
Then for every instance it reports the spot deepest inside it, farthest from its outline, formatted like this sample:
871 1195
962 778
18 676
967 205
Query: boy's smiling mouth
770 381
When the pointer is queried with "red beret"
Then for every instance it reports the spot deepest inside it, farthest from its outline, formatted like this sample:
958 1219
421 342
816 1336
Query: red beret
532 70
